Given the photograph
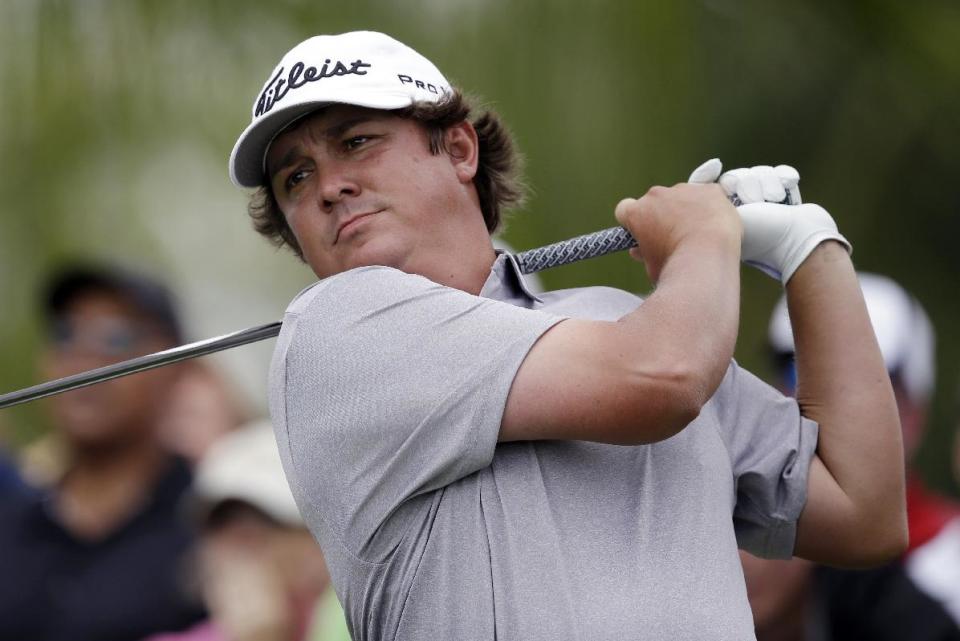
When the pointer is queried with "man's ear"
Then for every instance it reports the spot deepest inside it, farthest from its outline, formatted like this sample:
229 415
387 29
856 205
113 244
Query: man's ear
463 148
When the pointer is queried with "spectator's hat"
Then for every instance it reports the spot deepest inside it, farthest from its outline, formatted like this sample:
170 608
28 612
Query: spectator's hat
244 466
145 294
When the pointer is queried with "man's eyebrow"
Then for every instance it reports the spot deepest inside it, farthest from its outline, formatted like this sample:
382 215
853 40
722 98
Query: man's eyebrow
333 131
287 159
337 130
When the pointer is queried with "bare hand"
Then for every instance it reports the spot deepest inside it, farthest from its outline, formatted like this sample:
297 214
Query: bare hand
667 217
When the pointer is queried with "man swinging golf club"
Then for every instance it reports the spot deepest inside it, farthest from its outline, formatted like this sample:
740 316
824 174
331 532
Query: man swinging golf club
480 462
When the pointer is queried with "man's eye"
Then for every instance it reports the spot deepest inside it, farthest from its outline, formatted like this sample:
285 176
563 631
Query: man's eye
294 179
355 141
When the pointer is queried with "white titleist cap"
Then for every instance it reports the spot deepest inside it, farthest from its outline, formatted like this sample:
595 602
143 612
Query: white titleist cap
361 68
903 331
244 465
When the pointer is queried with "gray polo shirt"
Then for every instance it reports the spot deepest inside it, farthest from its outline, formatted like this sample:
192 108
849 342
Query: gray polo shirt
386 393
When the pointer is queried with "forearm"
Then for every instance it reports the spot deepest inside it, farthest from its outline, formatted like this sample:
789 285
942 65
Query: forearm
842 384
646 376
688 325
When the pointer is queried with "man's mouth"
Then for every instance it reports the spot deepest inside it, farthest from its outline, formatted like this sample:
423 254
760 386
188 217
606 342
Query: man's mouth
349 221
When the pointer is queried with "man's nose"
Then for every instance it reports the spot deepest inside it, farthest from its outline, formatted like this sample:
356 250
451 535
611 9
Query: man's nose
336 186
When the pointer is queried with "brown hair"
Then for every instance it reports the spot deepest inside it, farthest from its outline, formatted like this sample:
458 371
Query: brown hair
497 180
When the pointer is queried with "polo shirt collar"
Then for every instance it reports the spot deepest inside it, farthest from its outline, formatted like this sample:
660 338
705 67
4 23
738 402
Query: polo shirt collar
505 283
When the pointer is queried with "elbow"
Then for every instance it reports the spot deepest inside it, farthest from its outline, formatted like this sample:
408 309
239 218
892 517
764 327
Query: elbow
898 545
889 545
688 388
687 401
876 554
665 402
878 546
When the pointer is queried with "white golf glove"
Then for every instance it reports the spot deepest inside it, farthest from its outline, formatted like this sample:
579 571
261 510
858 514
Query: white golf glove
777 238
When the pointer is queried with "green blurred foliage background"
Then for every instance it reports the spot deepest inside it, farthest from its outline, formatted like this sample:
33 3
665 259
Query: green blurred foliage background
117 118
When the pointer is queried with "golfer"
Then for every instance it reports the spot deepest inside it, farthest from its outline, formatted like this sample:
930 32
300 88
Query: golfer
479 462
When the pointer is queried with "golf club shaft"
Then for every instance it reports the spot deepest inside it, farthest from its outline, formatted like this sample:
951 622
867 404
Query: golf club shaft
534 260
141 363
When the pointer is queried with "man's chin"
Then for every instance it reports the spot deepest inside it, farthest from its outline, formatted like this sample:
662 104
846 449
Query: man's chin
374 252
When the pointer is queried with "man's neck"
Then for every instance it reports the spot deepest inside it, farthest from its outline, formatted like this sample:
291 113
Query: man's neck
104 487
464 266
467 277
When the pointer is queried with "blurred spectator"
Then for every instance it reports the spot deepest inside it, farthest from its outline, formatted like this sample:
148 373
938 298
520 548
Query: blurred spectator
45 459
202 408
936 565
98 554
10 481
11 484
795 599
262 575
13 491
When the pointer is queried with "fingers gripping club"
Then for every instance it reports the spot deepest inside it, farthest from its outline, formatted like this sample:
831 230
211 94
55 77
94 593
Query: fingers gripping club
618 238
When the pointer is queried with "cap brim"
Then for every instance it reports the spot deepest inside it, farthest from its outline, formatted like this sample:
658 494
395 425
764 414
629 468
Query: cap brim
247 157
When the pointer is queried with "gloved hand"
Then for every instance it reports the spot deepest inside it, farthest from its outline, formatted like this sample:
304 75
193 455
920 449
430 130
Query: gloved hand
777 238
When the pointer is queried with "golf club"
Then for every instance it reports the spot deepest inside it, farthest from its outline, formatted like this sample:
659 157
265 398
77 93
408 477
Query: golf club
534 260
597 243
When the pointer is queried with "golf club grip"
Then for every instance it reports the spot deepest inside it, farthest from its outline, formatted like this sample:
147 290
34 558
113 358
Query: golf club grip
598 243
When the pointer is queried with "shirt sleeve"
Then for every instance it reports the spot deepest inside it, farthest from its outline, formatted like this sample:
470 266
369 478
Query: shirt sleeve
771 446
386 386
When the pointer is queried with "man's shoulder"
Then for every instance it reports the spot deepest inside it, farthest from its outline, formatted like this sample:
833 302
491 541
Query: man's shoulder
354 311
370 279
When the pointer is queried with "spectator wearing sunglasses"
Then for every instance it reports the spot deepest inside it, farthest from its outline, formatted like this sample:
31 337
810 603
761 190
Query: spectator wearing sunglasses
100 553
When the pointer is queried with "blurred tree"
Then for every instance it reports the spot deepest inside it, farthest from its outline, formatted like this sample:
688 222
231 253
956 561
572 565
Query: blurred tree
118 117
